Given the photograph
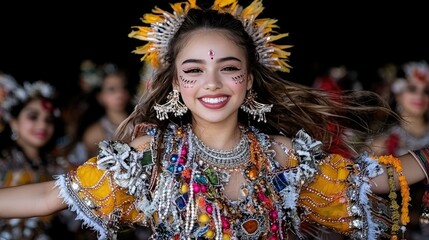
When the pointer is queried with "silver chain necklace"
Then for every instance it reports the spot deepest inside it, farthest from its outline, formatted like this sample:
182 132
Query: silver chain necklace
231 160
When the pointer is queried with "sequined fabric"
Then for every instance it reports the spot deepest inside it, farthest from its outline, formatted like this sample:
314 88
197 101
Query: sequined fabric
185 200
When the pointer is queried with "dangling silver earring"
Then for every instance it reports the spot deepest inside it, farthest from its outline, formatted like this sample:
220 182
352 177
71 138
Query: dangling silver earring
252 107
14 135
172 105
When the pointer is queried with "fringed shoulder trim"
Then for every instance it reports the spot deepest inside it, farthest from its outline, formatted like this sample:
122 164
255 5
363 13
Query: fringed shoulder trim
104 190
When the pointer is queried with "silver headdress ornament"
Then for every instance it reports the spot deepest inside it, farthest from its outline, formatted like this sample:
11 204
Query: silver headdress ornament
417 71
24 93
163 25
414 72
90 74
7 82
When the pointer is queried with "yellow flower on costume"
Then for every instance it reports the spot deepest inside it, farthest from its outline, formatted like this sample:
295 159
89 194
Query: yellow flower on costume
98 191
325 199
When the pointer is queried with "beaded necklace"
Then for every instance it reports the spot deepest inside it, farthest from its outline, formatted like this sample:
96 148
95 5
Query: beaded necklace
230 160
198 173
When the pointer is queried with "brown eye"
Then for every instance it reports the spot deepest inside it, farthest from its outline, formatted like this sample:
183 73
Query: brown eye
231 69
192 70
414 89
109 89
411 89
32 116
49 120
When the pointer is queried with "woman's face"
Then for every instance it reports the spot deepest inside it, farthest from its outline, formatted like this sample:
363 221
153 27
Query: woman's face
414 99
114 96
212 76
34 124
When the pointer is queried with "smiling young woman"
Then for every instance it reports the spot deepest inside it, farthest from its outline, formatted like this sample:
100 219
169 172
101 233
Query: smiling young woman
221 147
27 151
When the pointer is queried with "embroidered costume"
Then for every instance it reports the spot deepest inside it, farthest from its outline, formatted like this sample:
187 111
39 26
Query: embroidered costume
175 184
181 197
17 169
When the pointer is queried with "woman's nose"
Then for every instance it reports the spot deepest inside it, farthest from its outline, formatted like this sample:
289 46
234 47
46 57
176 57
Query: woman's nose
212 82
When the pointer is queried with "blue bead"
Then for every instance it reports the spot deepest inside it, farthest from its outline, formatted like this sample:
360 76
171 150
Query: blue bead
182 201
280 181
174 157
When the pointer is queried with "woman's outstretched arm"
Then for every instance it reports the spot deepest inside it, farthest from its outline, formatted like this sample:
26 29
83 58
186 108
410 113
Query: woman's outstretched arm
412 168
38 199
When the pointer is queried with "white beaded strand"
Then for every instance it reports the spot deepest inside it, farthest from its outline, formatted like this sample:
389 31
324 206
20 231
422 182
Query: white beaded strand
218 222
165 200
190 210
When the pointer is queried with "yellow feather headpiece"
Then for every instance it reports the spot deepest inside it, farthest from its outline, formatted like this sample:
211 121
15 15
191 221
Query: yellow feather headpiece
162 26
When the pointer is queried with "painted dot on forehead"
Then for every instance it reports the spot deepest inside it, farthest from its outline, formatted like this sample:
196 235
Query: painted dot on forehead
47 105
211 54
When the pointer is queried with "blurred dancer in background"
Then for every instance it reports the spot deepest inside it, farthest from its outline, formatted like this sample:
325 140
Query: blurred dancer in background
27 152
411 101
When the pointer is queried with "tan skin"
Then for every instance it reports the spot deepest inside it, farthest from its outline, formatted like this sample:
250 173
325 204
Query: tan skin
414 106
42 199
35 127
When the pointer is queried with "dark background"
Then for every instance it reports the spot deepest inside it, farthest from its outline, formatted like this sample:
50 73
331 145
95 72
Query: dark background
49 40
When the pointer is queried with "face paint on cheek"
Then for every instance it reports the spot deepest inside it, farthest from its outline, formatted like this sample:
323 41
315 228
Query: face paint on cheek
239 79
211 54
187 83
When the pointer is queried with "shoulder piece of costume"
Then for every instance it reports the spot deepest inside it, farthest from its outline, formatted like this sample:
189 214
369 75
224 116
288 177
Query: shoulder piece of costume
338 197
328 192
106 190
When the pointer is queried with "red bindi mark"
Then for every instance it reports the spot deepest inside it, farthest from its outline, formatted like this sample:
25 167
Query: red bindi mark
211 54
47 105
418 74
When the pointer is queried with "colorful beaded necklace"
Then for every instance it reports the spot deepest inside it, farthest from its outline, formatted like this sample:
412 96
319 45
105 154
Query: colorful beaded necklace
198 173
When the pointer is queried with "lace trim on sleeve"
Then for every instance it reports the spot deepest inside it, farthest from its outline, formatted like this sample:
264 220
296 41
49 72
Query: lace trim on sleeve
82 210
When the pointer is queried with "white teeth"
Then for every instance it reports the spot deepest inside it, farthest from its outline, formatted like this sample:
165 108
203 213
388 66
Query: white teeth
214 100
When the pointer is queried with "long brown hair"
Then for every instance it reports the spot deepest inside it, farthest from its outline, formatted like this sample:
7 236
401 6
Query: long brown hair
323 115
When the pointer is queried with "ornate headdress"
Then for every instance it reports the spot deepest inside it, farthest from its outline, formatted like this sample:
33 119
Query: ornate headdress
163 26
414 71
90 75
417 71
7 82
22 94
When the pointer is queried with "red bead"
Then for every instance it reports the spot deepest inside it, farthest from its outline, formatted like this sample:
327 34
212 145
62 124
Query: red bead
209 209
274 227
274 214
225 223
203 188
182 160
195 187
